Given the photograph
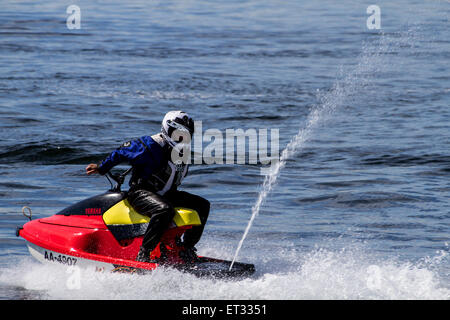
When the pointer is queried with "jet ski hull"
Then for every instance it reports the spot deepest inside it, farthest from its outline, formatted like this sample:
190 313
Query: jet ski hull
204 267
105 233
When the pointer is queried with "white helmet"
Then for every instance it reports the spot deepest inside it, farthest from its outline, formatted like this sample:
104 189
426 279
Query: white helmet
176 120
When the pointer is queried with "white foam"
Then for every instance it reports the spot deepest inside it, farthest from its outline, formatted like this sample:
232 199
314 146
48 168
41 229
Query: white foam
346 273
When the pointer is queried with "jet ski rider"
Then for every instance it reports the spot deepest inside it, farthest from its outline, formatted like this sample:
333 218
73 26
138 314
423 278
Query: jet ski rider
155 178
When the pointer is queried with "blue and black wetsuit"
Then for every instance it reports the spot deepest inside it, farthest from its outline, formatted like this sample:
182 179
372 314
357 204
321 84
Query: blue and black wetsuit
153 188
144 154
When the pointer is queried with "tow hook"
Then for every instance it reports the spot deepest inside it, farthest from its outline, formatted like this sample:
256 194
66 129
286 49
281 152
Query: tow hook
29 212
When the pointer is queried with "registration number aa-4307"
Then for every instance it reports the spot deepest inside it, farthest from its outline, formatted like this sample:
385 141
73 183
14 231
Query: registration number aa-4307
60 258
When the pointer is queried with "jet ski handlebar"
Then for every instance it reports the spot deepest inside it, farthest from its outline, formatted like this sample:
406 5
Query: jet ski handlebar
118 178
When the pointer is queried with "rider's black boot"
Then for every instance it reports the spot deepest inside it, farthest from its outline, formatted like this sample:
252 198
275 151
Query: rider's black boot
189 255
144 255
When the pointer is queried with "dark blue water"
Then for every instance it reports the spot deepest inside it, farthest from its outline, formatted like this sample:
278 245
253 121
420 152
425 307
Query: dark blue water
360 211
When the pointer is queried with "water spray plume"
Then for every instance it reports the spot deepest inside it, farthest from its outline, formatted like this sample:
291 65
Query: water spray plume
371 61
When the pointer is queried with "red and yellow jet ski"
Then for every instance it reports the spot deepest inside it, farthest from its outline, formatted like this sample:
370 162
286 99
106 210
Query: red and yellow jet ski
105 232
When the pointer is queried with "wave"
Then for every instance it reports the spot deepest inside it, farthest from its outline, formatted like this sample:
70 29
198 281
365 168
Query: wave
407 160
47 154
364 200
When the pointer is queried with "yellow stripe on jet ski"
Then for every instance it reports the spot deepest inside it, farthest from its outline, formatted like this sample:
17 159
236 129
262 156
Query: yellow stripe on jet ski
186 217
122 213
